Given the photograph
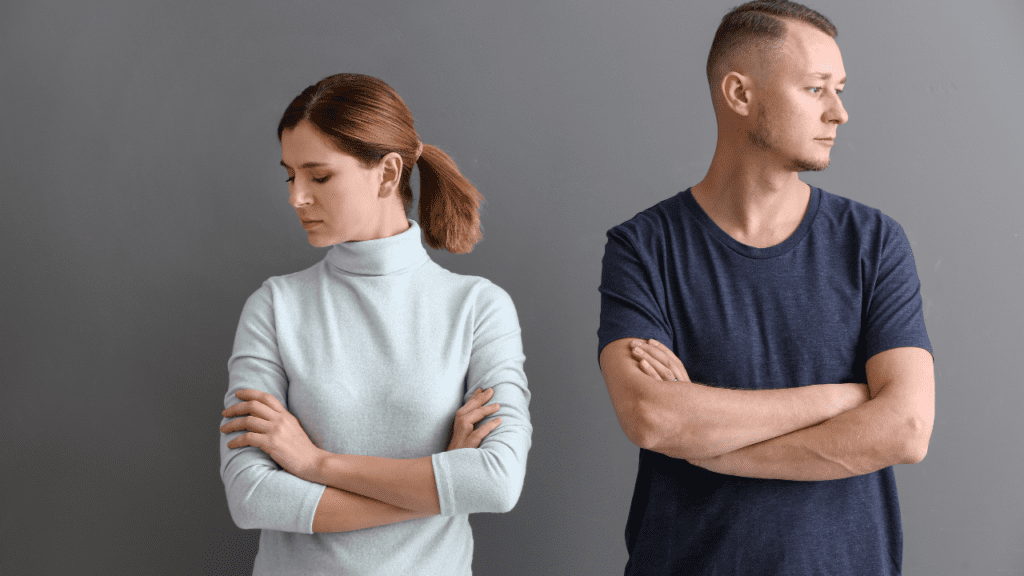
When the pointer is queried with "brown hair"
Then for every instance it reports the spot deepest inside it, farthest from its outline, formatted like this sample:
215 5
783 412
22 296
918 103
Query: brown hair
759 24
365 118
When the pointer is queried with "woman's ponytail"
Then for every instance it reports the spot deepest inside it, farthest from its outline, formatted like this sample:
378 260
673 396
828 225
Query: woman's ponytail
449 203
366 118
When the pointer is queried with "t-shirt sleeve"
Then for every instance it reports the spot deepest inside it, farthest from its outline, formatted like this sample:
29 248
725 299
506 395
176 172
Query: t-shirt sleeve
894 316
260 494
630 291
490 478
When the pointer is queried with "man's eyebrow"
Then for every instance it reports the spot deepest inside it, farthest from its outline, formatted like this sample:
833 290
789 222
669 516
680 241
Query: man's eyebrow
826 76
306 165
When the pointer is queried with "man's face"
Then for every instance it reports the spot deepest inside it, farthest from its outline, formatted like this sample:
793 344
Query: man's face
798 108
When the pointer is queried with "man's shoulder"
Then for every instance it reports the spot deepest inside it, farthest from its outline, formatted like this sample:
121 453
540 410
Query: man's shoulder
842 209
650 222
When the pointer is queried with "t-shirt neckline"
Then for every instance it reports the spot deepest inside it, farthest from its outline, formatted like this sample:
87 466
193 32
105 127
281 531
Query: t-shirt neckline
747 250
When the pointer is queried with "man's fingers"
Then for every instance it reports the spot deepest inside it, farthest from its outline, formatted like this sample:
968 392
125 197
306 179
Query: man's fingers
671 360
646 368
664 371
661 350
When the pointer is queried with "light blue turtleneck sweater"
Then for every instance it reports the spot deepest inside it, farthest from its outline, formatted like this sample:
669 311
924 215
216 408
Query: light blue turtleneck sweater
373 349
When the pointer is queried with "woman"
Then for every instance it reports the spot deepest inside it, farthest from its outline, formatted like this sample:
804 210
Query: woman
345 377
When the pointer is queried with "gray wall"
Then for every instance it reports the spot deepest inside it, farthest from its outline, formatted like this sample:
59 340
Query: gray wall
143 202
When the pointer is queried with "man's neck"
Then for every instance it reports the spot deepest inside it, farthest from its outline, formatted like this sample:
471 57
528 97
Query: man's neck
755 203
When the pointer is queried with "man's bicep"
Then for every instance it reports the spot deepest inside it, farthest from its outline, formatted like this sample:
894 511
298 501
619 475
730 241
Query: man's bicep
624 380
905 378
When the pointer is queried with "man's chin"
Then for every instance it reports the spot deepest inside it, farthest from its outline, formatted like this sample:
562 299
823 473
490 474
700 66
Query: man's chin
800 165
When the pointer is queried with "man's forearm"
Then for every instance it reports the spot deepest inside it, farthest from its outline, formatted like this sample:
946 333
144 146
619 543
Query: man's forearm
704 421
341 511
863 440
408 484
688 420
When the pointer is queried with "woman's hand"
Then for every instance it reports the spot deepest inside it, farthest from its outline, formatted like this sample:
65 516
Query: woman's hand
273 429
657 361
464 432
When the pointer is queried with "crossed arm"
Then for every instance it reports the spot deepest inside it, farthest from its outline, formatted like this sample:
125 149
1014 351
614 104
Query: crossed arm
821 432
361 491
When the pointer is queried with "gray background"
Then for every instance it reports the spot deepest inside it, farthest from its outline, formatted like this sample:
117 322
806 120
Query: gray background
143 202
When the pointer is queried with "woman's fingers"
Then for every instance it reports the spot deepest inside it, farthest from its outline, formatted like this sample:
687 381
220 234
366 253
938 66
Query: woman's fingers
250 423
481 432
259 396
476 400
481 413
465 433
252 407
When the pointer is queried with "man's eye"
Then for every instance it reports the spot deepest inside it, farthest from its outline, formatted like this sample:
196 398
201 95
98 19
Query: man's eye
815 89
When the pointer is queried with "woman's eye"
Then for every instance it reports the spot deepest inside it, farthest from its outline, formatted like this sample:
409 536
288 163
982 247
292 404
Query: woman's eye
815 89
321 180
290 179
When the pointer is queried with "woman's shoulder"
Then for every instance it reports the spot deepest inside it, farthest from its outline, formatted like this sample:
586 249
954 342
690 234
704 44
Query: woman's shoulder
467 287
276 288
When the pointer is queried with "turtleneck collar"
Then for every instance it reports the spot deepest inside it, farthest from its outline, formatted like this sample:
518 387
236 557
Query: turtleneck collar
382 256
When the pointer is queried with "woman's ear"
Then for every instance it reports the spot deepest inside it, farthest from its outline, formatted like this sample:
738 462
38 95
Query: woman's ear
391 175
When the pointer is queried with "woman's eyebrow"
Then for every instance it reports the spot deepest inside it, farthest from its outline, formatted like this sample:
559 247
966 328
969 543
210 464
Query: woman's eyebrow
306 165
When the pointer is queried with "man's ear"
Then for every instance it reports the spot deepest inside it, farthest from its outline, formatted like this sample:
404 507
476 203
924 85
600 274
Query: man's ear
737 92
391 174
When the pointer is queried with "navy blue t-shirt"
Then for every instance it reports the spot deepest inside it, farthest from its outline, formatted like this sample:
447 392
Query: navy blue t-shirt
809 310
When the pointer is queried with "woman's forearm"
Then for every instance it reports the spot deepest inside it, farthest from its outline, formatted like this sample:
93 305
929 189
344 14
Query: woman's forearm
407 484
341 511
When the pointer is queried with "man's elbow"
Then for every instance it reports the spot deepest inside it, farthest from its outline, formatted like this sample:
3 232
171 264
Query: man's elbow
648 427
917 434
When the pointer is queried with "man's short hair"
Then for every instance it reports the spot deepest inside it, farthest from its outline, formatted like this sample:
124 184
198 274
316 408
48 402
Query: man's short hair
759 25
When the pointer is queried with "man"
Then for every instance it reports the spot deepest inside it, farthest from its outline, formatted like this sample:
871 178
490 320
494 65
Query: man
762 340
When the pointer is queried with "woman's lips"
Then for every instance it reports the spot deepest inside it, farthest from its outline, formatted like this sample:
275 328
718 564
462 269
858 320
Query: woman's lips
308 224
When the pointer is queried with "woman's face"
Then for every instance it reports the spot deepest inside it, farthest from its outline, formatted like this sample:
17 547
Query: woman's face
336 197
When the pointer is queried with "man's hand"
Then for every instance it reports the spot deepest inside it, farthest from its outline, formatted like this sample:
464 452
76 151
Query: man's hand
464 432
657 361
273 429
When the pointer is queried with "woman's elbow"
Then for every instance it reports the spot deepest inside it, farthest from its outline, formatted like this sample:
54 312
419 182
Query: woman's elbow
242 514
507 497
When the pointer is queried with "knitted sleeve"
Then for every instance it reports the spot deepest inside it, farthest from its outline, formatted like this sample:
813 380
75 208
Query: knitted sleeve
490 478
260 494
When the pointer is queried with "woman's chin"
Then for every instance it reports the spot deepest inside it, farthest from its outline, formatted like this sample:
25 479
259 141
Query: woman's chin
319 241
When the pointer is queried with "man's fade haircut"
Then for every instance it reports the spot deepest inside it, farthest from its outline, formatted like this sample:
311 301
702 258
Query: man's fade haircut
759 25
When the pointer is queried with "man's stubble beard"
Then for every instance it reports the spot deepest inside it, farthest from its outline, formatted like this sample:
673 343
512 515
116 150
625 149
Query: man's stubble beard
763 138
